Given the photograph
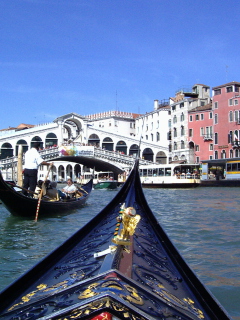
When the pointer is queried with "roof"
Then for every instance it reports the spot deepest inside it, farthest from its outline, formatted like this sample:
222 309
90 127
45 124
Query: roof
227 84
206 107
25 126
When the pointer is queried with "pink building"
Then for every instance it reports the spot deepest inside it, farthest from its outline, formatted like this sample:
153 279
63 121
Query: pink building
226 120
200 132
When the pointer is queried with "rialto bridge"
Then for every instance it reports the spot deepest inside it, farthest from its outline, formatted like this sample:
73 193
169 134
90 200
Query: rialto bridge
73 129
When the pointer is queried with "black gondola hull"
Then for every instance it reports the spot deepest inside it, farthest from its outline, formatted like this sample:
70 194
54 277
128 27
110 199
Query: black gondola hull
89 274
20 205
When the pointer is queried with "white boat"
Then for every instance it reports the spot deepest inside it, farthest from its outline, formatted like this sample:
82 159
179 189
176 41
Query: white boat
170 175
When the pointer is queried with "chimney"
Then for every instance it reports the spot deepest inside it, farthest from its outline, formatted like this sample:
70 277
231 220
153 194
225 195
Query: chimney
156 104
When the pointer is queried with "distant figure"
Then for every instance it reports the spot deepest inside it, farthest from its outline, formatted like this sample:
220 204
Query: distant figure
52 192
32 161
70 188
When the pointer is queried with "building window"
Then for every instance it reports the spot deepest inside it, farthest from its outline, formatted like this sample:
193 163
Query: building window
182 144
196 147
216 154
210 115
230 116
210 146
151 136
157 126
237 116
175 132
147 127
190 118
175 146
236 135
202 103
236 102
230 136
215 105
182 131
190 132
202 131
210 157
158 136
236 88
197 117
236 153
215 138
146 137
231 153
223 154
202 116
173 108
181 105
169 123
175 119
216 118
197 159
182 117
230 102
217 92
229 89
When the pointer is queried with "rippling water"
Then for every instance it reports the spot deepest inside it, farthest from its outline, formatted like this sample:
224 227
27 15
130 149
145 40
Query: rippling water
203 223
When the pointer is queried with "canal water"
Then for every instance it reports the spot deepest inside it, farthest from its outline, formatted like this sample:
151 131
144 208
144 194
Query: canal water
203 223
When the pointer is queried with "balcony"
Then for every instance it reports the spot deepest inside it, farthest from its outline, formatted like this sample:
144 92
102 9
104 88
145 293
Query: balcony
208 137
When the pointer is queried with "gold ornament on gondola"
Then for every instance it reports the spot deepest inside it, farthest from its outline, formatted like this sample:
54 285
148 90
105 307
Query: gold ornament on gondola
129 220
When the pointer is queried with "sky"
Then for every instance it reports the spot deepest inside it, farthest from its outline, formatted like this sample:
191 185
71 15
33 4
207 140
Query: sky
91 56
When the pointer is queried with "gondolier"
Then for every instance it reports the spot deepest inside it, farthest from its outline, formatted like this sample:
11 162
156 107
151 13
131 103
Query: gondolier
32 161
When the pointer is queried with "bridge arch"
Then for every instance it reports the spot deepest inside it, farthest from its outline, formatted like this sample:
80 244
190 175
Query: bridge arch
94 140
107 144
74 126
161 157
6 150
148 154
24 145
77 170
121 147
37 139
61 173
51 140
134 150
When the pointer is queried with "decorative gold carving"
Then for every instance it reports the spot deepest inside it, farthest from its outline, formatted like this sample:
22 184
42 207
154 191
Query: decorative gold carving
127 292
87 309
28 296
129 220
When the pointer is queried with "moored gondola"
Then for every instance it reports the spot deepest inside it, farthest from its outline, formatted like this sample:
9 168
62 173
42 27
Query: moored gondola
120 265
21 205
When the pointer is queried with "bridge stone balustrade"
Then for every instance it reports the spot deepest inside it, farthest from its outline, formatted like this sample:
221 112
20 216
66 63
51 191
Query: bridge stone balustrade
120 160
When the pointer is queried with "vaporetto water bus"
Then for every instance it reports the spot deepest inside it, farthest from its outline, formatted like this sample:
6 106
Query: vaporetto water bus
172 175
221 172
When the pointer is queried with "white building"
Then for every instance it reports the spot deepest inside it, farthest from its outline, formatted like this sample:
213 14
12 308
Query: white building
185 100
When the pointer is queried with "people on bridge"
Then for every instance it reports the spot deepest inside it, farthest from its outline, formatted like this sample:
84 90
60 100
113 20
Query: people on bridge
32 161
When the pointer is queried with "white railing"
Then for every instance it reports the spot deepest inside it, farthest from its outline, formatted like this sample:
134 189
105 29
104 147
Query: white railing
52 153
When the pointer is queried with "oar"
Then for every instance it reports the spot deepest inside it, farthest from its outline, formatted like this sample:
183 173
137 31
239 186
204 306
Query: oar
14 185
41 193
79 188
